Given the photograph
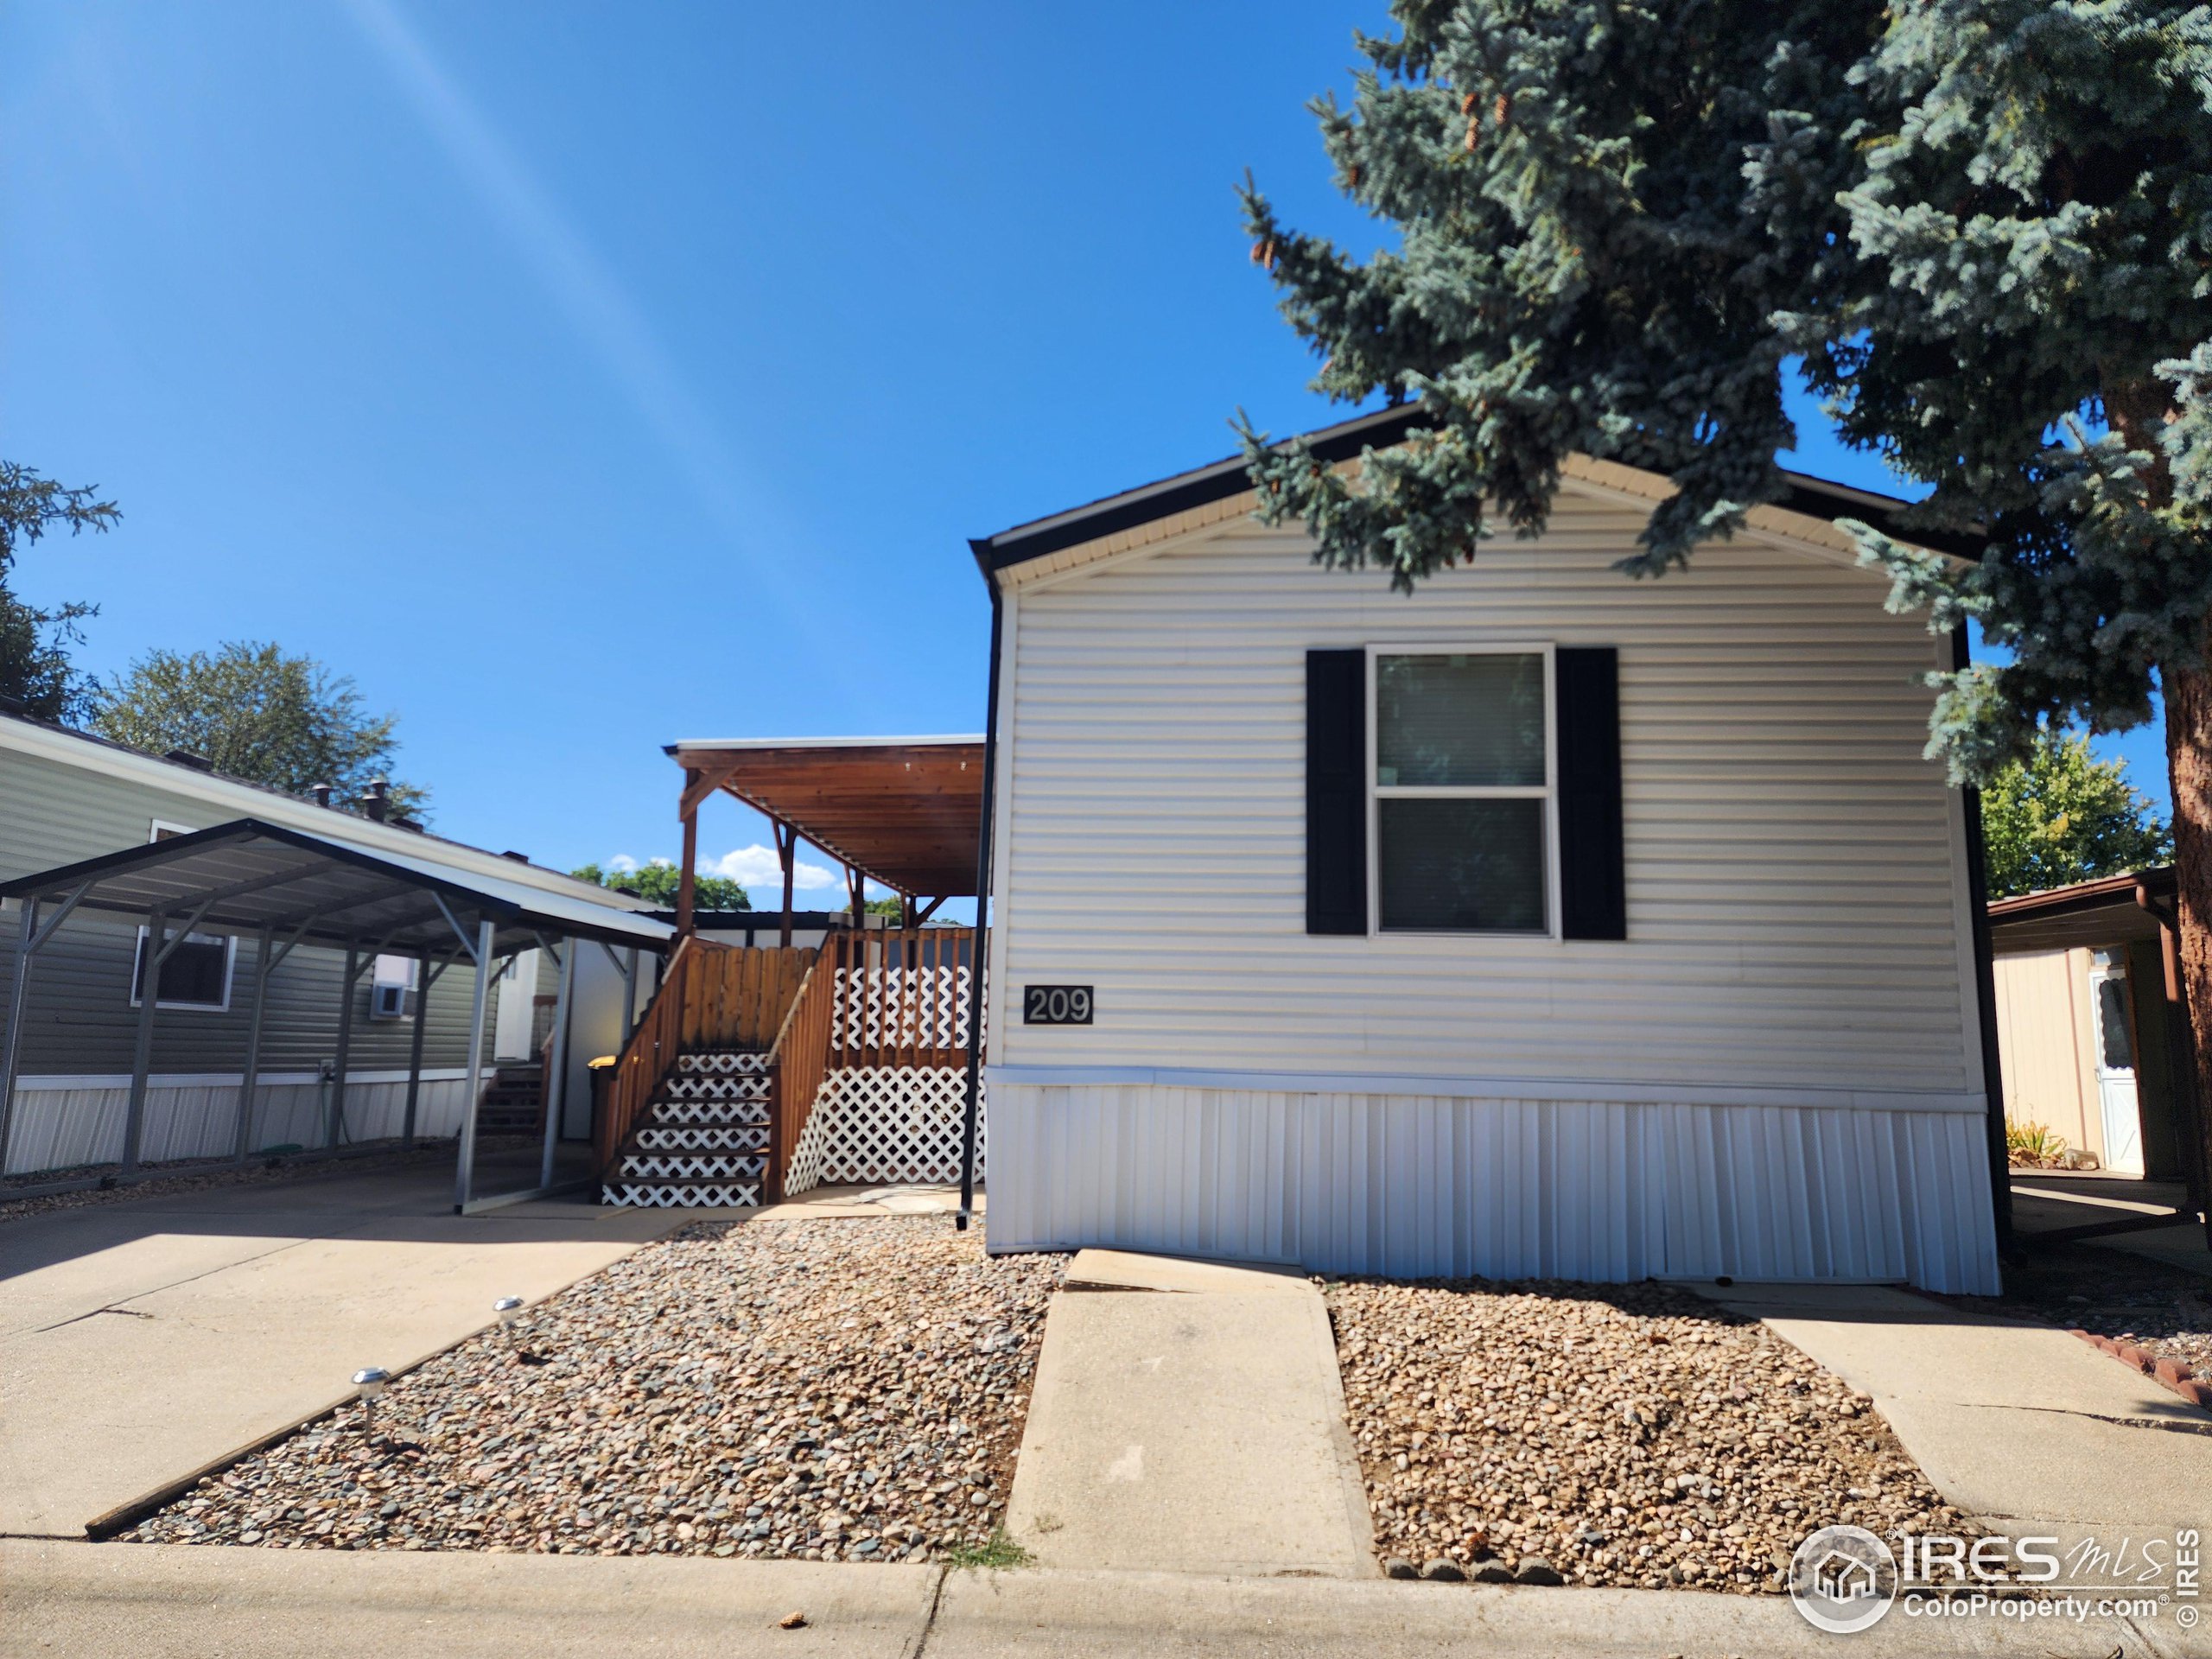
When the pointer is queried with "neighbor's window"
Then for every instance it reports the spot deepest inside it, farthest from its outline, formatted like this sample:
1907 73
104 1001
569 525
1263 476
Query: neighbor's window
197 973
1463 792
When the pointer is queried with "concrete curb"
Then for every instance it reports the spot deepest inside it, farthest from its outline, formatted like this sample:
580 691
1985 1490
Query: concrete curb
155 1601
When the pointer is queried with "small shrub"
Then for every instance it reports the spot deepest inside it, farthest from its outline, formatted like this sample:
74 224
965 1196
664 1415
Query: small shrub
2033 1146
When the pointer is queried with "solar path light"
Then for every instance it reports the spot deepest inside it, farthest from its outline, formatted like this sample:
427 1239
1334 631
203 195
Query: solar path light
370 1384
509 1308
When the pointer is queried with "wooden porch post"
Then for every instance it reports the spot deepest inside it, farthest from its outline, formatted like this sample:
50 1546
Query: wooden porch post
686 882
787 854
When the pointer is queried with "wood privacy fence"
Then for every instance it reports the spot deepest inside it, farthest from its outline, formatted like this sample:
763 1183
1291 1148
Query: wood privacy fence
713 996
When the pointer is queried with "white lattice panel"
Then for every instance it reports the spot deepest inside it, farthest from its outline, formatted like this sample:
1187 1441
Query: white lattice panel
679 1168
721 1063
679 1198
892 1123
668 1112
907 1008
805 1173
751 1086
748 1138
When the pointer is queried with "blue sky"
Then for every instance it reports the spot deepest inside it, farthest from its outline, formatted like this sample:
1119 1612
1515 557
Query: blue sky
579 378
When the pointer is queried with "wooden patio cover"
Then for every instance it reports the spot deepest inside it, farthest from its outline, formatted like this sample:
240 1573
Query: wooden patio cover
904 811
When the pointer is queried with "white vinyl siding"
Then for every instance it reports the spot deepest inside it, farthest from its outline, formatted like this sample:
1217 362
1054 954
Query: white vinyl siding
1793 864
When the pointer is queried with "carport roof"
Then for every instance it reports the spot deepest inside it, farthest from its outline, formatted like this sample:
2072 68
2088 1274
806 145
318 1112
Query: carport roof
245 875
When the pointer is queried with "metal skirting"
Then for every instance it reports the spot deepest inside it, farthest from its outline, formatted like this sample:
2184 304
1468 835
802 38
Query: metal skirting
1409 1187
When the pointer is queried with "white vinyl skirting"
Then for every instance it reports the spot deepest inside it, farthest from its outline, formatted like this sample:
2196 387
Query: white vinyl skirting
1413 1186
82 1122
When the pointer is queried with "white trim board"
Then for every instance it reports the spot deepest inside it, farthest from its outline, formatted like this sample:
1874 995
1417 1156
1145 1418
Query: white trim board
1626 1094
229 1079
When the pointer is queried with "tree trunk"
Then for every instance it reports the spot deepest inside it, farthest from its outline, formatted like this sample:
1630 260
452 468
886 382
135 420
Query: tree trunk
2189 764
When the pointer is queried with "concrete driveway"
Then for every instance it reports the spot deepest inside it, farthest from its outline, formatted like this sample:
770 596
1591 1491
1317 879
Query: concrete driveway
144 1339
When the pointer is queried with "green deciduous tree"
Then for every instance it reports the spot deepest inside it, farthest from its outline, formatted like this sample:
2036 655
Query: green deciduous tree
256 712
2060 815
1983 228
657 880
34 667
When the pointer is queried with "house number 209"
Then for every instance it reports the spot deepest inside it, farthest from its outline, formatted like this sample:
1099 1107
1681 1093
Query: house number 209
1055 1005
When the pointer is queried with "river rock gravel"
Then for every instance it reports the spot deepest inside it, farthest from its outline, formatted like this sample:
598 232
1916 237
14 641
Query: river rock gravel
822 1390
1632 1435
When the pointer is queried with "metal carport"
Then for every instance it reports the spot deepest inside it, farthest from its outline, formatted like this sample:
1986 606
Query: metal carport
284 888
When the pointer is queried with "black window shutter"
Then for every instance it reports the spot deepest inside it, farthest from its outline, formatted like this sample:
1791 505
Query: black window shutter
1336 791
1594 898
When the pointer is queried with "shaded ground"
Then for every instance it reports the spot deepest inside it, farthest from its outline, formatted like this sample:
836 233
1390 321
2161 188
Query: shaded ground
825 1390
1631 1435
203 1175
2109 1293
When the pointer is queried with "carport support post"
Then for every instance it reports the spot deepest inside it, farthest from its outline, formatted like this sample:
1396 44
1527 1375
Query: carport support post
251 1078
345 1048
19 1003
555 1091
142 1057
414 1047
467 1171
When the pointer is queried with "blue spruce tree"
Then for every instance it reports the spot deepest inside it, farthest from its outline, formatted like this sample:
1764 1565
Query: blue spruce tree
1984 227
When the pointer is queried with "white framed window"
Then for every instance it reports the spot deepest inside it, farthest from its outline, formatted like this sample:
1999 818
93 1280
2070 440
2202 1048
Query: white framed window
1463 810
196 974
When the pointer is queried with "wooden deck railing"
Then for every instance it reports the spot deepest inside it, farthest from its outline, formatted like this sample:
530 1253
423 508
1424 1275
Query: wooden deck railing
713 996
903 1001
876 999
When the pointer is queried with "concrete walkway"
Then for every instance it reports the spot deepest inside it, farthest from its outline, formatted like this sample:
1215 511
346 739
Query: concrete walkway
141 1340
172 1602
2013 1423
1188 1417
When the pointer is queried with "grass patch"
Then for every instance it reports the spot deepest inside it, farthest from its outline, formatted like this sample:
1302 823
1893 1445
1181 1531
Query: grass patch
996 1551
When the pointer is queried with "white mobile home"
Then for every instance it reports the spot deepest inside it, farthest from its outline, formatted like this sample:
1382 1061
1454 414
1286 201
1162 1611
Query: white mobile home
1542 922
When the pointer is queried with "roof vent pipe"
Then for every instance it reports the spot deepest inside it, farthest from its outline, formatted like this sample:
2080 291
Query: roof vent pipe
377 804
321 792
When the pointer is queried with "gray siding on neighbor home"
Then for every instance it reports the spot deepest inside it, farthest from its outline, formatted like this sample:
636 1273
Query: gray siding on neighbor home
81 1021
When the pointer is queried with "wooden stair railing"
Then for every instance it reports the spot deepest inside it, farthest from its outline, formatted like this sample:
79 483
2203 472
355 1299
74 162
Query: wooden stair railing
714 996
648 1056
799 1059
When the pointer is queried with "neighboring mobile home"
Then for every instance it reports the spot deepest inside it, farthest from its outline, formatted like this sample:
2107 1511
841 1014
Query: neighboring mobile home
1542 922
2091 1025
64 797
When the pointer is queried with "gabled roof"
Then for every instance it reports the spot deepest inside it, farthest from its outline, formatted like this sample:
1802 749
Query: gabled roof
1813 498
240 797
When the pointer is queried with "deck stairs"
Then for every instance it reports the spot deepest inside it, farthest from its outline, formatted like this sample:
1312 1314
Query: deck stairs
513 1102
702 1140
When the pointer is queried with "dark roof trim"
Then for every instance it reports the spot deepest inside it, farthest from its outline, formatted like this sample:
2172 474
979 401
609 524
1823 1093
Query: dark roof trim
1816 497
154 853
2158 881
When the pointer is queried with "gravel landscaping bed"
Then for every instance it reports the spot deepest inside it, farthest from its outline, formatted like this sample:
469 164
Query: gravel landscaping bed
2162 1308
1631 1435
849 1390
200 1175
